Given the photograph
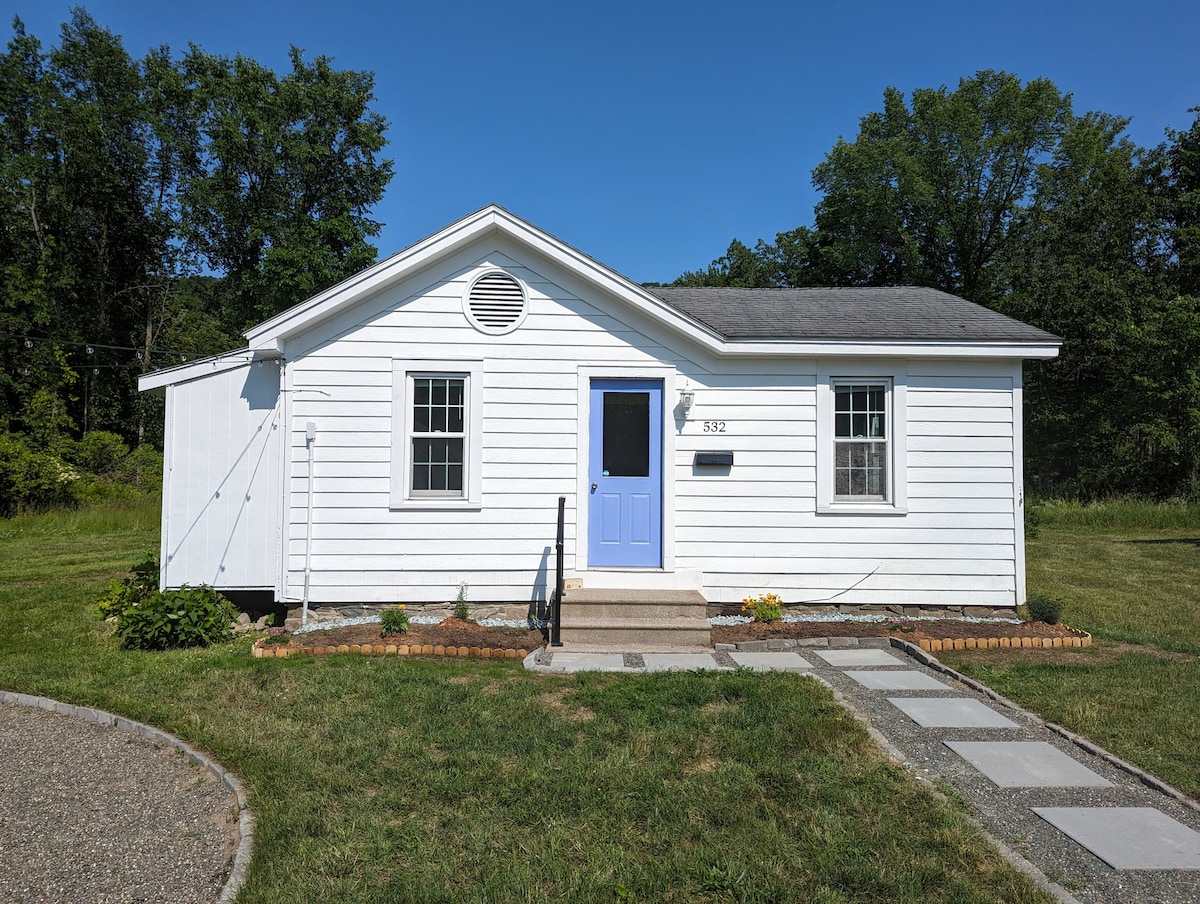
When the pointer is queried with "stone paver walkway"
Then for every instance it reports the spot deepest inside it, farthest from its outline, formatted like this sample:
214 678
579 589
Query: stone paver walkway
1093 828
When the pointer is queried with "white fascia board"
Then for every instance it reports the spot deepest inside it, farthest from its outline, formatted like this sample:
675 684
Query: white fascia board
194 370
272 333
894 349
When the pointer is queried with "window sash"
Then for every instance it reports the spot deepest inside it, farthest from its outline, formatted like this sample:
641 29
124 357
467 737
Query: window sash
437 441
861 449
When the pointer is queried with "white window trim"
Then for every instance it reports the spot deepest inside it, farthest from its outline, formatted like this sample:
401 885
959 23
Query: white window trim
401 492
895 377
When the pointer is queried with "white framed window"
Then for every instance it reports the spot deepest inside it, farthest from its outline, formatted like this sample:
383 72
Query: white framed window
861 446
860 441
436 434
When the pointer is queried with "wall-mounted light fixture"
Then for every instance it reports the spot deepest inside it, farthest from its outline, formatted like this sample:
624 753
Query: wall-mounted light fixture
687 398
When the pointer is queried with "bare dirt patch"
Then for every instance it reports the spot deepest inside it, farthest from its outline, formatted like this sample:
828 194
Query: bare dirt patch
556 701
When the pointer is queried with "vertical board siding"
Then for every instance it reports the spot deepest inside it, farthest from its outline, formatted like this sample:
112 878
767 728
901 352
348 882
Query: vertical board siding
745 529
221 511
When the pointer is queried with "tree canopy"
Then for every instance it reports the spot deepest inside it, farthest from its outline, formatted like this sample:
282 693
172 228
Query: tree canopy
152 209
998 191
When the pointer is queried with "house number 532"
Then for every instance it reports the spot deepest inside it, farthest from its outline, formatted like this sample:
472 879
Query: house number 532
714 426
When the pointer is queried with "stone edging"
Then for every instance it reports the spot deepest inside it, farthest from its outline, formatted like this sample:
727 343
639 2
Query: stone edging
262 650
241 859
1150 781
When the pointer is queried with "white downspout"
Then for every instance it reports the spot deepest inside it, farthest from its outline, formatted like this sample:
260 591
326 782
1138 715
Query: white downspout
310 438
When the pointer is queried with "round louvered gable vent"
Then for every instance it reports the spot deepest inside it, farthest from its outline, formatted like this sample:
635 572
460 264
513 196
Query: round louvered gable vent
495 302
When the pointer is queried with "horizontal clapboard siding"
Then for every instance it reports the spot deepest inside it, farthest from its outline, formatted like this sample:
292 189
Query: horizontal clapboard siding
749 528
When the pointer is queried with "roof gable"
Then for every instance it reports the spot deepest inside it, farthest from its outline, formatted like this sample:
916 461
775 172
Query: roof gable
724 321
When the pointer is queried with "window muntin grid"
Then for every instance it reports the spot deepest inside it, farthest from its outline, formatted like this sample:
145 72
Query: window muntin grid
860 465
437 437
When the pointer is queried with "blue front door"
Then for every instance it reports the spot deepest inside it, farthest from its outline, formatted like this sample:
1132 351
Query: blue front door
625 474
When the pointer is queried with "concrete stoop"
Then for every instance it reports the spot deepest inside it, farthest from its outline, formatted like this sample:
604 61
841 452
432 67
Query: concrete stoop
635 621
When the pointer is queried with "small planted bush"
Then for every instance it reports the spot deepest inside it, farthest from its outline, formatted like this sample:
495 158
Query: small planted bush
187 617
1045 608
128 592
393 621
766 607
460 605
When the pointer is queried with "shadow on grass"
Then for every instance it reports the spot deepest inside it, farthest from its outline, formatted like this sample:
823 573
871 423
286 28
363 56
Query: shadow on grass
1160 541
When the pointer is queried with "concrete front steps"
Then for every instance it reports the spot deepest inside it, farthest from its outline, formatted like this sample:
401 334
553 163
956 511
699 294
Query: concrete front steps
635 621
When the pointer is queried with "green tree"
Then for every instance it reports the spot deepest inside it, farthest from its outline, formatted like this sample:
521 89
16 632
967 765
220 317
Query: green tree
162 205
1183 161
278 199
929 193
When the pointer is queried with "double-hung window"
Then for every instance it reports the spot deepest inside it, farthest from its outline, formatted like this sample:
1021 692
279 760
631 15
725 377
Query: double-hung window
436 426
860 441
438 435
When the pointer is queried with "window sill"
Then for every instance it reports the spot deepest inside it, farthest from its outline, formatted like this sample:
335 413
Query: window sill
861 508
437 505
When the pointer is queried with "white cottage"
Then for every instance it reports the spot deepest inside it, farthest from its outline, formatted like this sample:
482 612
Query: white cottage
414 427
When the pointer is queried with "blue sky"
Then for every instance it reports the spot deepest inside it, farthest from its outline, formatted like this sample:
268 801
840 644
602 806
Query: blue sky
648 134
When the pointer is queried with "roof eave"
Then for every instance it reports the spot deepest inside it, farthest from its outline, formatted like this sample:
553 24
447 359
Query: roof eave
888 348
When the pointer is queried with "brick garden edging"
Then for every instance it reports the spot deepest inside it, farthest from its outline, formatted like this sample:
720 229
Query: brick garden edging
245 822
263 650
1082 639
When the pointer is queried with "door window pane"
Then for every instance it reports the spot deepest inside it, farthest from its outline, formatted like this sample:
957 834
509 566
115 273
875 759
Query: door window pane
626 434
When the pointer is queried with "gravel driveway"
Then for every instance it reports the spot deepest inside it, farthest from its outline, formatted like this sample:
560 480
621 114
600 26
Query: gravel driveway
92 814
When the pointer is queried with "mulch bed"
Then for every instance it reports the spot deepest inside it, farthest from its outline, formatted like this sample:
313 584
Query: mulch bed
456 637
939 629
451 634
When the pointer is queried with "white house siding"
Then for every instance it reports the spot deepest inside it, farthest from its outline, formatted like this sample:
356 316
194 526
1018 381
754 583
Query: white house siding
750 529
221 479
365 551
756 527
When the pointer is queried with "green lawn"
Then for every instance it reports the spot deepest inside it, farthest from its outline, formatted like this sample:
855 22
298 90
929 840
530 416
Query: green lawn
1131 575
378 780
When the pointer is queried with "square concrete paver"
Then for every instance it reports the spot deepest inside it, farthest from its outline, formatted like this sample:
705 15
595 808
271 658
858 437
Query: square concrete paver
588 662
767 662
898 681
680 662
1027 764
950 712
867 656
1128 837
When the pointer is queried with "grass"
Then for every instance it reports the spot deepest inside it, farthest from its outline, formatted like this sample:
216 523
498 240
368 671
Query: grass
1130 572
395 780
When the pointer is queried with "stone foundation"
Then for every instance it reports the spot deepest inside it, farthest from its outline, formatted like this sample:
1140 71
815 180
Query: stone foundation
508 611
904 611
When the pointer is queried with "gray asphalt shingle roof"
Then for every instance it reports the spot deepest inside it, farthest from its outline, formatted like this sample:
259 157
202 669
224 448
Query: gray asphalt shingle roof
888 313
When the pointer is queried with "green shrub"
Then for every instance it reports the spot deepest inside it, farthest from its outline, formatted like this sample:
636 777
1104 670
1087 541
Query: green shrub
142 469
1045 608
394 621
99 452
129 592
31 481
187 617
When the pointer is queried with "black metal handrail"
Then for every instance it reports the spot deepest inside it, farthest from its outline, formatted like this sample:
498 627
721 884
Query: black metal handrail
557 595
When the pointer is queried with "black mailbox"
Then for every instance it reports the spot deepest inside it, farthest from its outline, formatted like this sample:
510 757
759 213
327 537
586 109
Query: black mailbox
713 459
